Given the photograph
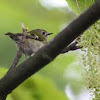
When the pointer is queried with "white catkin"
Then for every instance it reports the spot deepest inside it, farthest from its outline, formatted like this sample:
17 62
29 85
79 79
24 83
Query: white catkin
90 59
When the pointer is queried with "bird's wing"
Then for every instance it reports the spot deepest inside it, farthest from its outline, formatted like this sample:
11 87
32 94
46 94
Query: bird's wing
28 36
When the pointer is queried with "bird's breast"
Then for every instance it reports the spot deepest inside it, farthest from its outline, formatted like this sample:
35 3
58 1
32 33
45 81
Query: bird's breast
31 46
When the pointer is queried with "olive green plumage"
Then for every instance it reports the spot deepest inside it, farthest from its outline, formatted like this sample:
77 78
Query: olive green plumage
33 40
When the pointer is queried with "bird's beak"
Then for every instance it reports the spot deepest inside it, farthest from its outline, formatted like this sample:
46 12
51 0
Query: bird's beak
49 33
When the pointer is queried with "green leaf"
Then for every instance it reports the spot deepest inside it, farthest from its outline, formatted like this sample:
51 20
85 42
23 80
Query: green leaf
79 5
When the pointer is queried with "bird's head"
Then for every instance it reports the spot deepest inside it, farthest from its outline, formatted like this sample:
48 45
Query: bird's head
40 34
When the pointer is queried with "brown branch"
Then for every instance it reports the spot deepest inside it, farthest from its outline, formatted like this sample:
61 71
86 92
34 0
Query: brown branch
72 47
3 97
46 54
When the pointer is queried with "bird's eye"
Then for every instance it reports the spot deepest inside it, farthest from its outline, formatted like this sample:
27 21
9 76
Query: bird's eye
43 33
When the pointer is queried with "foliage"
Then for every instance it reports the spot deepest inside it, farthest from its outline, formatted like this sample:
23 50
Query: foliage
91 59
90 41
79 5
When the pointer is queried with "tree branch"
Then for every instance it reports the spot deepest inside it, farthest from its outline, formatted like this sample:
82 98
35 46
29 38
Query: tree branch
72 47
3 97
46 54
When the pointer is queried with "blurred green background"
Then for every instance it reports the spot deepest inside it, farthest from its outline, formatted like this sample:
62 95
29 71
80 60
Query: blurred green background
51 82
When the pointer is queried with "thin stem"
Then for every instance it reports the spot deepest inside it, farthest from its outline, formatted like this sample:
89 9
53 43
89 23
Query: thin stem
16 60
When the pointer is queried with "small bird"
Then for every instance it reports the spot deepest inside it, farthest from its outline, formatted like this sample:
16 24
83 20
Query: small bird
31 42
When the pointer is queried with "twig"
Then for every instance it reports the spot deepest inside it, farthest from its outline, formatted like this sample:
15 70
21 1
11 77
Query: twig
19 53
71 47
16 60
24 32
